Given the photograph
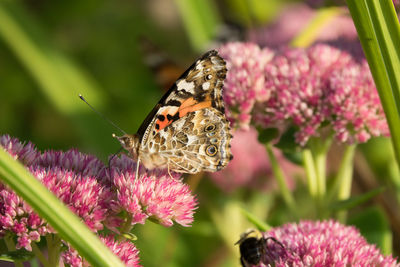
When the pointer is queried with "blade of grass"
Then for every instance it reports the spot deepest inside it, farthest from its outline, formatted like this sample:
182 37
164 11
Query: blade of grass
200 19
310 32
67 224
379 32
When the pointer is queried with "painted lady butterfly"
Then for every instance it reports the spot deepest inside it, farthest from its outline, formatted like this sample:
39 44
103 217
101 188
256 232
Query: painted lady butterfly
186 131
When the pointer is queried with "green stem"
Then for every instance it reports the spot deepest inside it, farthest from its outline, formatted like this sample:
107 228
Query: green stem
379 33
8 239
280 178
40 255
53 249
319 148
126 227
345 178
311 175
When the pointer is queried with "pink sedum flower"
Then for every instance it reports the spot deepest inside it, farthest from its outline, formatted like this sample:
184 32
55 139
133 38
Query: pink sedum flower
157 196
66 174
26 153
317 90
326 243
125 250
245 79
358 113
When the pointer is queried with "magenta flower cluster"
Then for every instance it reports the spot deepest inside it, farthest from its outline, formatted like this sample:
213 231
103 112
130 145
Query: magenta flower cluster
85 185
326 243
311 89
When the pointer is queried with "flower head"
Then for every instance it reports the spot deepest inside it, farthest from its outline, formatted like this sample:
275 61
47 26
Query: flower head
158 196
245 79
317 91
69 175
326 243
26 153
125 250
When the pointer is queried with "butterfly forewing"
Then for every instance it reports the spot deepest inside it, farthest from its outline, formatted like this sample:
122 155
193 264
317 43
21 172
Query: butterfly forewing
187 130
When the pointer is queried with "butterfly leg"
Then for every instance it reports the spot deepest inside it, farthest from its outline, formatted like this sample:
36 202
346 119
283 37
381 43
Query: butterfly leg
137 169
169 171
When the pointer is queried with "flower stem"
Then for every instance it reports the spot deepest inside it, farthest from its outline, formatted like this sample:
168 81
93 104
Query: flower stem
40 255
280 178
126 227
308 163
344 178
53 248
8 239
319 149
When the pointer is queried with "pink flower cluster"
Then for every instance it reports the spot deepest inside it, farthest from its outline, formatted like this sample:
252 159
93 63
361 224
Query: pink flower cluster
125 250
326 243
84 184
306 88
156 196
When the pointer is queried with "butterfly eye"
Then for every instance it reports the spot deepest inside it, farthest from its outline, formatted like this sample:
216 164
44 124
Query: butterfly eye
209 128
209 77
211 150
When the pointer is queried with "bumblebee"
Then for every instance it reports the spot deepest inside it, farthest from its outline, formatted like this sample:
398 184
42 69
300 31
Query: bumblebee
253 248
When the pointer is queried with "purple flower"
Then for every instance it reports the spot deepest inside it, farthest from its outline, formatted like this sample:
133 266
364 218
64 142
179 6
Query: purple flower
158 196
125 250
326 243
317 90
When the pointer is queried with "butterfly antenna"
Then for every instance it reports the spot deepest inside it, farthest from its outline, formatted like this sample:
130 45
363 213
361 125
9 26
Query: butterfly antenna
101 115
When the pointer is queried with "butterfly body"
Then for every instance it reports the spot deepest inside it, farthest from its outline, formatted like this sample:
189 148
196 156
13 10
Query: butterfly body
187 130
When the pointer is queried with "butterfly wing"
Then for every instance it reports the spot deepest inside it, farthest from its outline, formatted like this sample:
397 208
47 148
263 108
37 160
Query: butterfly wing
196 95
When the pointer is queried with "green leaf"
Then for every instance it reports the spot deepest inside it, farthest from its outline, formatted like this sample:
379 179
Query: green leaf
356 200
375 227
287 142
294 157
20 255
379 32
267 135
67 224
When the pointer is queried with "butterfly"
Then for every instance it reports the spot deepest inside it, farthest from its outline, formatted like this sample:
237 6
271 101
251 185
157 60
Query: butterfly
186 131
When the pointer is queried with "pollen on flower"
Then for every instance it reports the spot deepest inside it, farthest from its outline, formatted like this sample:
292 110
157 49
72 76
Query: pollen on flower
326 243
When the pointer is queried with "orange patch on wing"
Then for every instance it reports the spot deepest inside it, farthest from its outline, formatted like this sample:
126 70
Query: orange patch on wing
198 106
165 122
189 105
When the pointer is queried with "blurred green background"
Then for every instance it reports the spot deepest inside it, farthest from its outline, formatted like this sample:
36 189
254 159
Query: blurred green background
122 56
53 50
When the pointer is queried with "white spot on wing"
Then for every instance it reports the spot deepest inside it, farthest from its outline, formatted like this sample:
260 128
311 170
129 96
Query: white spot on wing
184 85
206 86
